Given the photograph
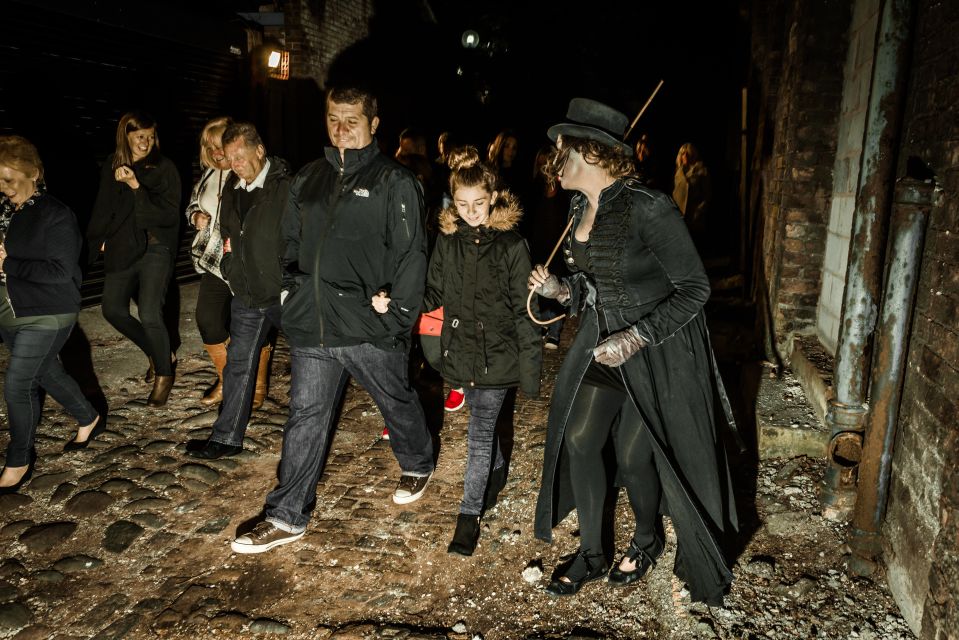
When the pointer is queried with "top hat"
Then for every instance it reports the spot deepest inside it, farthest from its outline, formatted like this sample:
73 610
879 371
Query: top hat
594 121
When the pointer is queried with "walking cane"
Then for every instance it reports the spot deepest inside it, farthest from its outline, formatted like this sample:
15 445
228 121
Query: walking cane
529 298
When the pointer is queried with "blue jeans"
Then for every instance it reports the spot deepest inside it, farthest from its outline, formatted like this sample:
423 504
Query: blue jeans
317 380
249 330
34 363
147 279
485 405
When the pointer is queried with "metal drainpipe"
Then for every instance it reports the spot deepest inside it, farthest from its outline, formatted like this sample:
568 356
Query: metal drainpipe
847 410
913 201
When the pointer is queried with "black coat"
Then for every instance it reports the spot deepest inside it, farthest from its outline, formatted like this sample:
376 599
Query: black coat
479 275
252 267
351 229
646 272
43 259
125 218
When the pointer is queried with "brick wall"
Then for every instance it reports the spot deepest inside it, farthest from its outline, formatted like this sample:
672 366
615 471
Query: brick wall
798 176
922 523
318 30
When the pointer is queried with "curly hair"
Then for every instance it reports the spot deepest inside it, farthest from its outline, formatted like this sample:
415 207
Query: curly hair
610 159
19 153
467 170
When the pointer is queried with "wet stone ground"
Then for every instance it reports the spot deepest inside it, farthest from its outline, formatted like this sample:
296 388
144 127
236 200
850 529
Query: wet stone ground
130 539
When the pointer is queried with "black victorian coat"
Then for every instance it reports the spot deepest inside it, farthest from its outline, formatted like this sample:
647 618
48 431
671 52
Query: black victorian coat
643 270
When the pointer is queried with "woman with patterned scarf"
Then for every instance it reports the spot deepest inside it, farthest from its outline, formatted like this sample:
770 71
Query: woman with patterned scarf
39 302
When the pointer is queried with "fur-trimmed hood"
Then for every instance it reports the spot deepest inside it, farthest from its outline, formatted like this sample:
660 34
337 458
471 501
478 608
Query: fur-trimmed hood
504 216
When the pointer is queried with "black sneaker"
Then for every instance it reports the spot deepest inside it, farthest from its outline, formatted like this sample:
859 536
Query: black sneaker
264 537
410 488
551 343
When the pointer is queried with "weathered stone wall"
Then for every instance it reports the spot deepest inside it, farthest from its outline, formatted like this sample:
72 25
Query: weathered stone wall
798 177
318 30
922 524
852 121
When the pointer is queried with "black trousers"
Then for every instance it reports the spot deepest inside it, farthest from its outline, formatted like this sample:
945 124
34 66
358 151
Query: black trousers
147 279
599 402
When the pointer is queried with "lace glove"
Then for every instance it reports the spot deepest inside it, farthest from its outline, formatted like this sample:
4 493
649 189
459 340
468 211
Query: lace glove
553 288
619 347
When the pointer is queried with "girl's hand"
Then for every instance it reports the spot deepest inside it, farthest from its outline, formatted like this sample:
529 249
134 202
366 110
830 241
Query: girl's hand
381 302
125 174
3 256
226 246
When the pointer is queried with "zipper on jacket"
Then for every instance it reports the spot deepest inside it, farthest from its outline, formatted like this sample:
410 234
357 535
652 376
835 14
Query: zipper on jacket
320 250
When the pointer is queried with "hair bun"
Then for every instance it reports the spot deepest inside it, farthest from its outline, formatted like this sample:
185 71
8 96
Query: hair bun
463 158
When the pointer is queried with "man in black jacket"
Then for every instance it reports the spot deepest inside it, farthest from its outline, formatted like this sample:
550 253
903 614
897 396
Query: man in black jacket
251 212
355 271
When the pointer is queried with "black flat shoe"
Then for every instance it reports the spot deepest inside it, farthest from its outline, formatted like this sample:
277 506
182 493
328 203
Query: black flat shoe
210 449
581 569
643 562
466 535
13 488
98 428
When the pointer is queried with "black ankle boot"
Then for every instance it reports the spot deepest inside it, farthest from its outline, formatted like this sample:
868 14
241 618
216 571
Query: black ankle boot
466 535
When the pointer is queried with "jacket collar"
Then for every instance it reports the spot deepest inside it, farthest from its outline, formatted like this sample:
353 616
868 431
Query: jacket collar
355 159
611 191
605 196
504 216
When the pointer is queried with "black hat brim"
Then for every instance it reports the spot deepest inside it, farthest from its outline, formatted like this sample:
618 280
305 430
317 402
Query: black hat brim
590 133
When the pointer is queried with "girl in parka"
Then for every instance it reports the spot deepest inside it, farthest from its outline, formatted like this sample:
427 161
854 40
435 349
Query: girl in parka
478 273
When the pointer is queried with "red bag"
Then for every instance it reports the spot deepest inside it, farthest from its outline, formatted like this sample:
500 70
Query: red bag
431 323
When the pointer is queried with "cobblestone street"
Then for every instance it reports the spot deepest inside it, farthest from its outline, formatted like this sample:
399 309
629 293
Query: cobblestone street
130 538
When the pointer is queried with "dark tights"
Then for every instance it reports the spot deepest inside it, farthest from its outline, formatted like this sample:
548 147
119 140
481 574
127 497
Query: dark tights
597 404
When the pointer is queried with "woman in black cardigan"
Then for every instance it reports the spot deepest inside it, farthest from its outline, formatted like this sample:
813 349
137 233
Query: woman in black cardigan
135 222
39 302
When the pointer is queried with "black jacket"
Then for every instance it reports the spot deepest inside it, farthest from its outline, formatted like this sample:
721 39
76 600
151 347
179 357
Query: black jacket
352 229
43 259
478 275
126 219
252 267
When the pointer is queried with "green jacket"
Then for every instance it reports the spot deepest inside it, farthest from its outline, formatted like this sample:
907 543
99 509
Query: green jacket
479 275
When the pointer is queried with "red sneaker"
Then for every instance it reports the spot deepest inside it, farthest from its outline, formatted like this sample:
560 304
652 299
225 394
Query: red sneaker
455 400
386 433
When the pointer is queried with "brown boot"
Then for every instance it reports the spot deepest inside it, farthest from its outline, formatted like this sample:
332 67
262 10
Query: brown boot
161 391
150 375
218 355
262 376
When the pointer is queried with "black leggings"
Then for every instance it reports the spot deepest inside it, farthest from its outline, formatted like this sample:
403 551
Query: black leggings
599 400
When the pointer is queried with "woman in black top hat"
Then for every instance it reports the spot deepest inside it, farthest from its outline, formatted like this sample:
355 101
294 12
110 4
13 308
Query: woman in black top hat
640 371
